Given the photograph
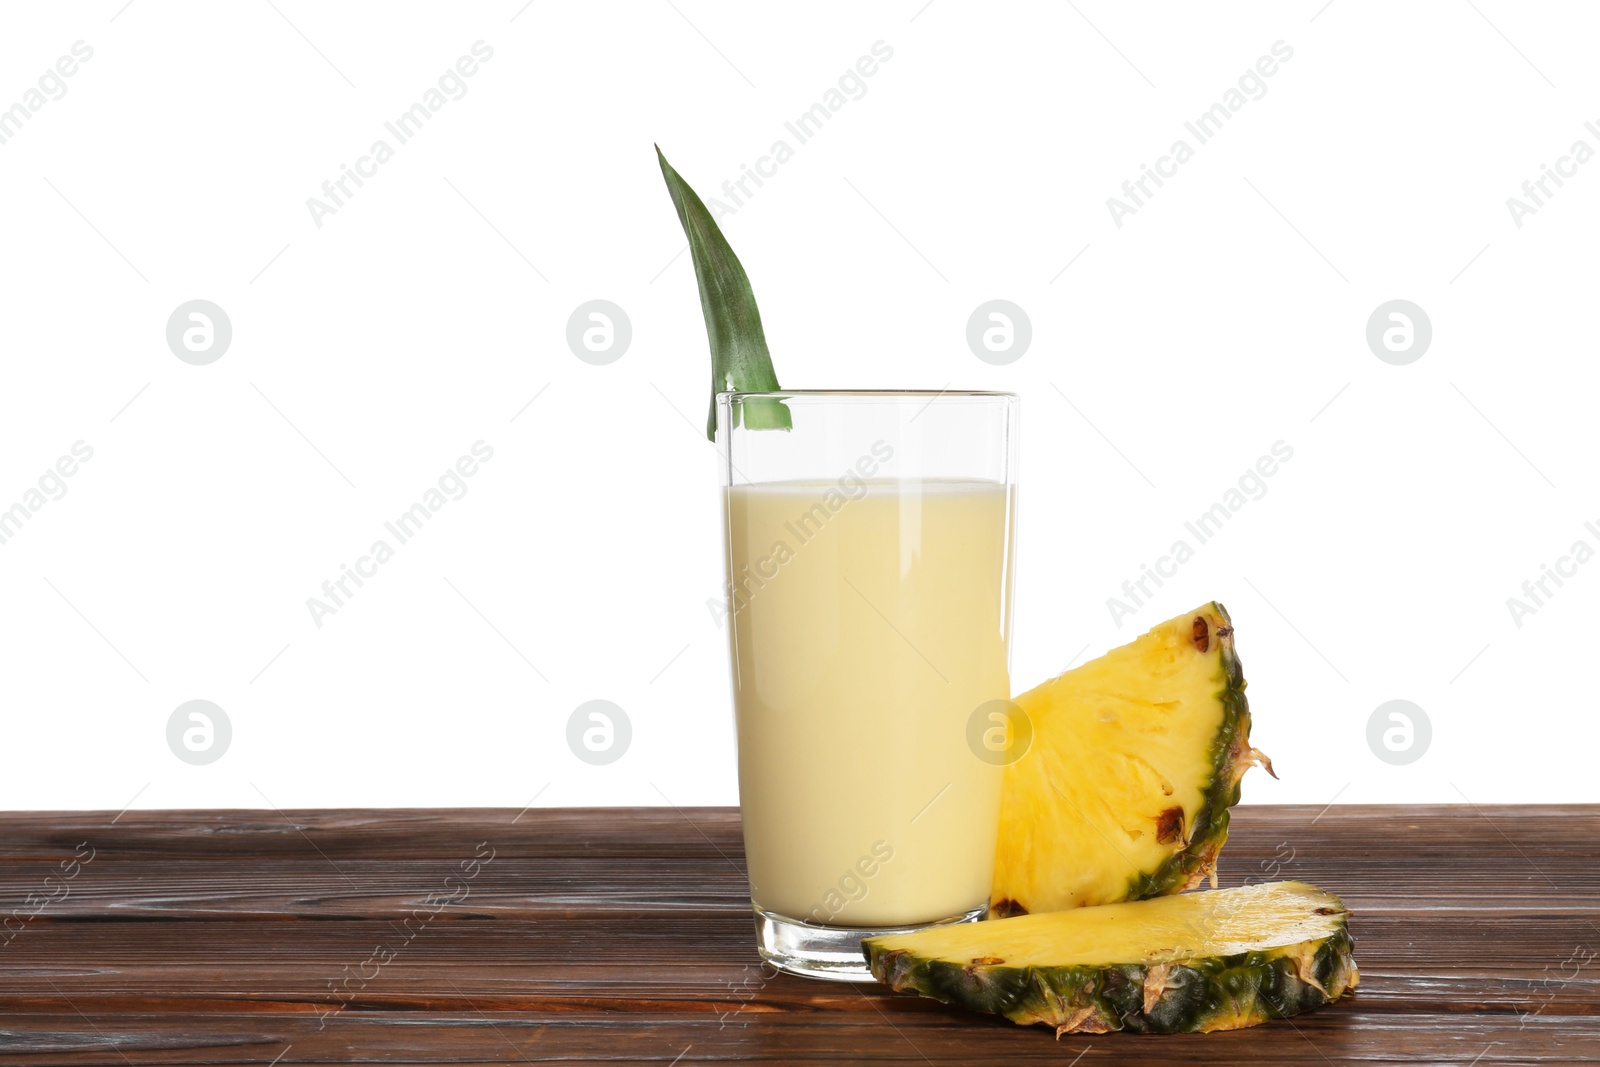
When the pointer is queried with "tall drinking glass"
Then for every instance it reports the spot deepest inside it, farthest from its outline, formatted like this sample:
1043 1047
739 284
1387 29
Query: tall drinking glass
869 549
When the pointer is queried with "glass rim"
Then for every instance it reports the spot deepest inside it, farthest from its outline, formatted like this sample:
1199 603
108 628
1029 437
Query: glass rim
870 394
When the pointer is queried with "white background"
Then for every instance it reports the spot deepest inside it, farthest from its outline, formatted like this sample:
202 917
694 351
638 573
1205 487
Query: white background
1227 314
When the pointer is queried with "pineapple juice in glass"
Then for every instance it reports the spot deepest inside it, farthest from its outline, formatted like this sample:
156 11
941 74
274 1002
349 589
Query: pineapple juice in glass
869 551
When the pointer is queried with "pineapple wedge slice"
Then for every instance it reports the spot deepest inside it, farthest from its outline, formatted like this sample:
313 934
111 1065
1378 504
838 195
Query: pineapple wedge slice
1216 960
1134 762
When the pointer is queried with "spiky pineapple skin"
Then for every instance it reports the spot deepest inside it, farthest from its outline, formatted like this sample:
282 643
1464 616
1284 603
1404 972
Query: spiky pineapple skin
1190 996
1230 756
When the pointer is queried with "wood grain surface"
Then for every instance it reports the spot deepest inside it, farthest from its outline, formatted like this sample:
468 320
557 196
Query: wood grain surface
623 935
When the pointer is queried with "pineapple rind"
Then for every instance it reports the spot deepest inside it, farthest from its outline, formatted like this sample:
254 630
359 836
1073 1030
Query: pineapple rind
1230 757
1192 995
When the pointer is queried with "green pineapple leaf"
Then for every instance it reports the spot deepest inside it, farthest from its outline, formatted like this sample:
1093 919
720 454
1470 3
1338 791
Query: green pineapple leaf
739 358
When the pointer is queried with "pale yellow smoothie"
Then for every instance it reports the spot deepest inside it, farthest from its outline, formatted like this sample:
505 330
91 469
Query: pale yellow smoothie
869 621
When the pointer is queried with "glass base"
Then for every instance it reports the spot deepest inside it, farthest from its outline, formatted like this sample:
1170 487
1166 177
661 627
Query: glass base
829 952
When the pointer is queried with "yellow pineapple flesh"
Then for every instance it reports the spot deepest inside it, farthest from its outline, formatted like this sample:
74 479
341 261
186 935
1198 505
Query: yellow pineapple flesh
1134 762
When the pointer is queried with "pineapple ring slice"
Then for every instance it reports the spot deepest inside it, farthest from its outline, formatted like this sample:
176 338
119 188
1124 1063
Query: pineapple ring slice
1216 960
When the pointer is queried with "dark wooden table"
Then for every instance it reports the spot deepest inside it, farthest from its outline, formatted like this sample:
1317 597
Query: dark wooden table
623 936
